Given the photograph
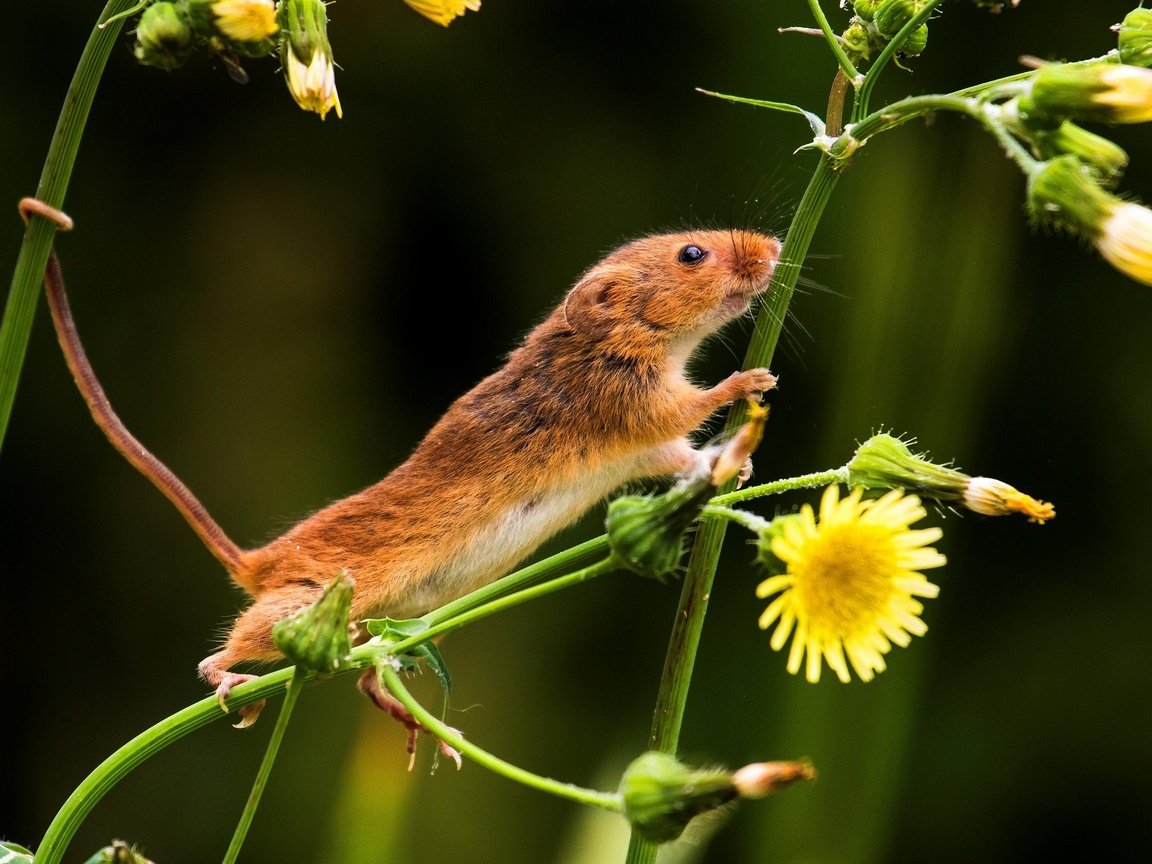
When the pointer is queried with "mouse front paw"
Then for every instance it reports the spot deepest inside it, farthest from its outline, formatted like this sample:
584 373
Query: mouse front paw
751 383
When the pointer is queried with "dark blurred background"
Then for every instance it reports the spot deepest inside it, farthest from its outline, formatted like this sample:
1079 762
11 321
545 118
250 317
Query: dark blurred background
280 307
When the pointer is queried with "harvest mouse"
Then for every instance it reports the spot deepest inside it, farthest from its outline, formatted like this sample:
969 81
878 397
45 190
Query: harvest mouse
596 396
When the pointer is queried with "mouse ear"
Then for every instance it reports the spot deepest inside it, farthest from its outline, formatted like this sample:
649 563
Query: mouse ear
585 308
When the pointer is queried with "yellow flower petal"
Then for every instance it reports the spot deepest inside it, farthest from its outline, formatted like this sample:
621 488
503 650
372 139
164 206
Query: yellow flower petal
849 590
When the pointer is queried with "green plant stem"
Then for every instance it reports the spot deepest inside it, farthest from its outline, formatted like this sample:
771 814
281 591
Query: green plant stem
294 686
904 110
604 800
498 604
20 309
689 622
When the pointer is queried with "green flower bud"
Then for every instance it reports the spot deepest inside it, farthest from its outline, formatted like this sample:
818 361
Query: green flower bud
1099 91
1106 158
1062 191
1066 193
1135 39
646 532
865 9
857 42
885 462
915 44
892 15
661 796
164 38
318 638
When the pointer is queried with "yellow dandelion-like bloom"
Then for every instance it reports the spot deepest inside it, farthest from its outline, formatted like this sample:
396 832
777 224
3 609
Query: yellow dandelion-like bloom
851 583
443 12
246 20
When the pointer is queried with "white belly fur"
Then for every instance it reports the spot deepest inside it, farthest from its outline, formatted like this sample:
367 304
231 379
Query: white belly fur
498 546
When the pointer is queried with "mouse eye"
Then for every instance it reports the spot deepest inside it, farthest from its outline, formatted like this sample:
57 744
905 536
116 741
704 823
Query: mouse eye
692 255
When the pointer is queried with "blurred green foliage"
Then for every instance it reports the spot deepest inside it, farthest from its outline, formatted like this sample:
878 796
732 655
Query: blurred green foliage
280 307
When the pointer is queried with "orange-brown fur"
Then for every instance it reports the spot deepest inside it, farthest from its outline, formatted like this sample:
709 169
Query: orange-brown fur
596 396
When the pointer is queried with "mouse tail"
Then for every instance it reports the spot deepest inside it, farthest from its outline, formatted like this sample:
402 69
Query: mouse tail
206 528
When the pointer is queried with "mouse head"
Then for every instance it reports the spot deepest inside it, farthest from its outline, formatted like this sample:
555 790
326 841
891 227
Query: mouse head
672 287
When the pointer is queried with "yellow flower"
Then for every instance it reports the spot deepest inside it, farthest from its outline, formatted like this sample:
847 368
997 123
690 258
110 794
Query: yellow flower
851 583
246 20
1125 240
443 12
1127 93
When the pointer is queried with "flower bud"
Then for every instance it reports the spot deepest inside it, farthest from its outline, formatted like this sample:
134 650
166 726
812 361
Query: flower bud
996 498
916 42
646 532
1135 39
763 778
243 26
886 462
1062 191
662 795
164 38
731 460
865 9
857 41
1107 92
318 637
443 12
1106 159
892 15
306 56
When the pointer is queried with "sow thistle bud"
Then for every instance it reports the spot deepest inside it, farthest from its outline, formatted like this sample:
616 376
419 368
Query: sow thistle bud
307 56
1109 92
661 795
891 15
1107 159
1135 39
865 9
318 638
1063 191
164 37
886 462
646 532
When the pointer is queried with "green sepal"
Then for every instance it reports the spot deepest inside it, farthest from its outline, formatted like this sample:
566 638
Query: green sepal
661 795
317 638
646 532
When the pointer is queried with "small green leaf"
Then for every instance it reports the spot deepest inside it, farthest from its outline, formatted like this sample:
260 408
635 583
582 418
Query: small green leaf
395 629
